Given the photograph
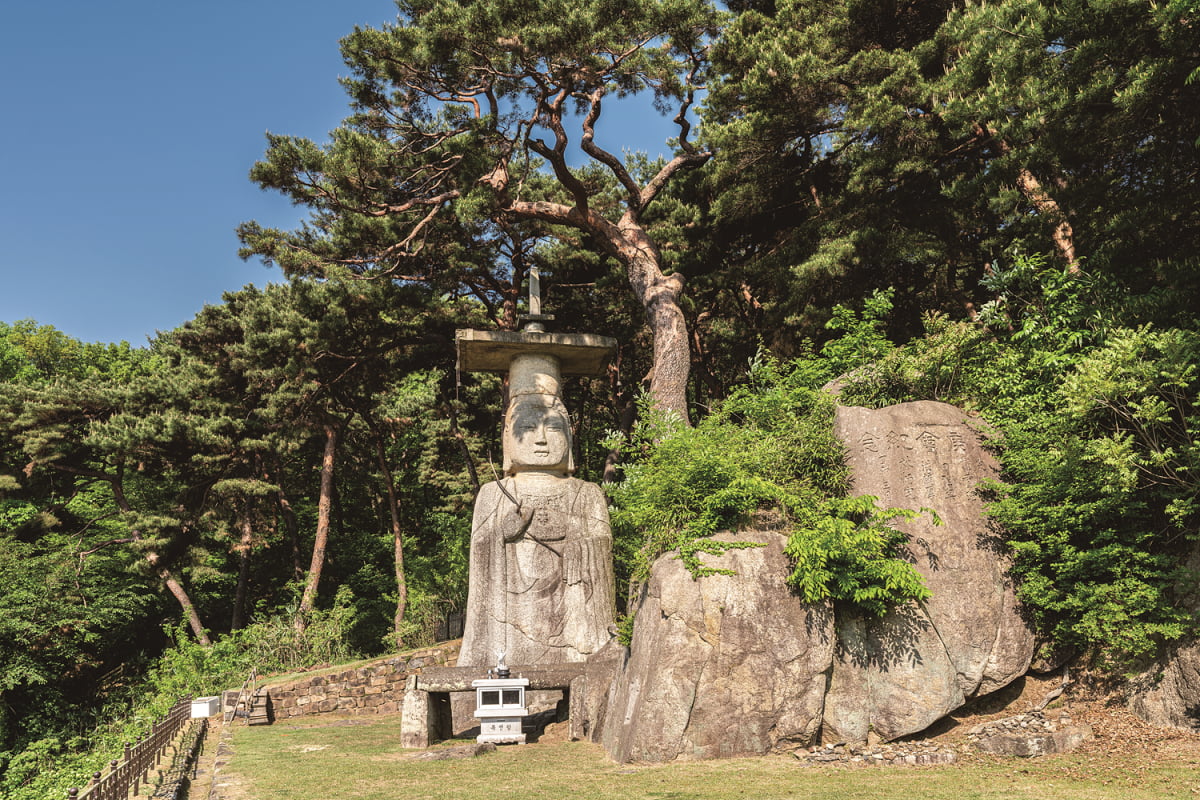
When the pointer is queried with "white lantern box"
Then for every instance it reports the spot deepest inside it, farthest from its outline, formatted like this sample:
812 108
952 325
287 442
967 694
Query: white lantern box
500 708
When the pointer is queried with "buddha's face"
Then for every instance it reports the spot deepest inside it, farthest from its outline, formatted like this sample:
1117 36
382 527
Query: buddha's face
538 436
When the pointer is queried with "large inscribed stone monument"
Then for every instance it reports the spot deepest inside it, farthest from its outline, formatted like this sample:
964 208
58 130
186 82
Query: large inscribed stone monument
897 675
541 585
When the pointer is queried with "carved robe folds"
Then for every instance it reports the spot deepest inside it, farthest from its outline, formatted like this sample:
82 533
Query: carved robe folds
541 580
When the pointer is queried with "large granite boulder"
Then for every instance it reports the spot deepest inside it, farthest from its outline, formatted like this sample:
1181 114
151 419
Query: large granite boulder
898 675
737 665
1168 692
1168 695
723 665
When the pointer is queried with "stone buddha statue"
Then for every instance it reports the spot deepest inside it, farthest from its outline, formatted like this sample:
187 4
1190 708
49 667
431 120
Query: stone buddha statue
541 583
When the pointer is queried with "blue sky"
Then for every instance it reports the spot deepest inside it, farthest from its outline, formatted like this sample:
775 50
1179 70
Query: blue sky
127 128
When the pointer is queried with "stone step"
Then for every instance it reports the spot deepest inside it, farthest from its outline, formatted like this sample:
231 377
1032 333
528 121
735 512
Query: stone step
261 712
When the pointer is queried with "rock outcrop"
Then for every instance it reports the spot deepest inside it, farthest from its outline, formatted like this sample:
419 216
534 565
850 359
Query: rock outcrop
721 666
737 665
1169 694
897 675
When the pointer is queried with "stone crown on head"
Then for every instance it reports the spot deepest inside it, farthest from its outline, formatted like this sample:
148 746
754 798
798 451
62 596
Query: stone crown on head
537 428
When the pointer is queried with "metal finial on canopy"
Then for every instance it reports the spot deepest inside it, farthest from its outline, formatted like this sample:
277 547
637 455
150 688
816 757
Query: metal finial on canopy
535 291
535 320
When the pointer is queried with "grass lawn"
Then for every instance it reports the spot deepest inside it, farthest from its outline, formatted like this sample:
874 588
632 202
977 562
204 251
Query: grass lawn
354 759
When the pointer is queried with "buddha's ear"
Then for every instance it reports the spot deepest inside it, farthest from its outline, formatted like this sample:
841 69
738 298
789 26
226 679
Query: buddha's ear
558 406
505 438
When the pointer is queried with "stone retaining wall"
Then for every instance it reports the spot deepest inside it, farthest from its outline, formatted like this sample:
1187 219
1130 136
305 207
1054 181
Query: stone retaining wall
377 688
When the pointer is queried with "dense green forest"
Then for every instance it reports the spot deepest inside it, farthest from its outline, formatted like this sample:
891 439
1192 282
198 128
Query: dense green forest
996 205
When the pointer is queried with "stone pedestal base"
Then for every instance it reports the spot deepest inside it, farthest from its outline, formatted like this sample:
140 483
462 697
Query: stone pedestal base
501 730
425 717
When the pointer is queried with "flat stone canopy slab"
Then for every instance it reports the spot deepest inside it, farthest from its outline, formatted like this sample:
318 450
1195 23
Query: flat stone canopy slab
458 679
493 351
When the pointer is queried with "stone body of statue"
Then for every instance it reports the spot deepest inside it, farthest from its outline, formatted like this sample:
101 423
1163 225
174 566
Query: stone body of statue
541 582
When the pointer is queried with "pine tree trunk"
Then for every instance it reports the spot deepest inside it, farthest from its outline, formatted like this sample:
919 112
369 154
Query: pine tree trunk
239 598
293 528
1035 193
397 545
1047 206
189 610
462 446
659 295
152 557
701 362
324 507
625 420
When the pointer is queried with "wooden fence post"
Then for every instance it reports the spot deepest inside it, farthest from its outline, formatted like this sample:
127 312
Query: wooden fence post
133 769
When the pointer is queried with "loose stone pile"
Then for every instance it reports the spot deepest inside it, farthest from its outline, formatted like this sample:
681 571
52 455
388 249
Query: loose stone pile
1028 735
1033 723
896 754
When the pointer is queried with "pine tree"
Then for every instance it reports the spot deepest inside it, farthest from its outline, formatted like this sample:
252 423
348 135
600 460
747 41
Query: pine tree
464 116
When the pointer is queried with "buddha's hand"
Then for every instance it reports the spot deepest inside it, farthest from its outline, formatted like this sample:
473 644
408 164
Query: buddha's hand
514 521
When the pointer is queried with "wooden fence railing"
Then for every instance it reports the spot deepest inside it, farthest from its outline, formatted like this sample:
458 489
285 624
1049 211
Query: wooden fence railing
177 780
138 759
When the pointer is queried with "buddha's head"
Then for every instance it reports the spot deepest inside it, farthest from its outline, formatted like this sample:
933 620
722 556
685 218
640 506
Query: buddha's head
537 436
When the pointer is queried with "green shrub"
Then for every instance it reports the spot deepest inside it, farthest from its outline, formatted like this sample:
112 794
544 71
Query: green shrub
1098 432
845 548
770 445
1101 496
49 766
